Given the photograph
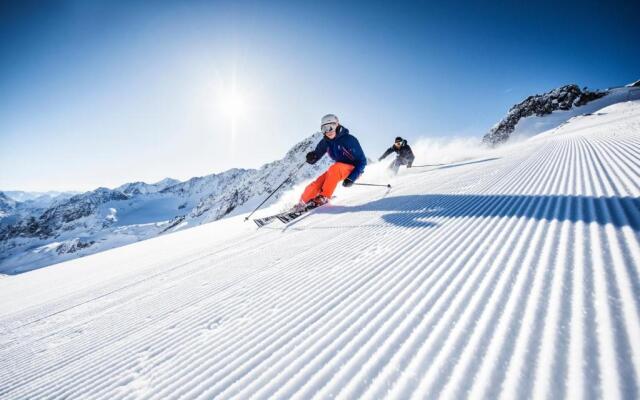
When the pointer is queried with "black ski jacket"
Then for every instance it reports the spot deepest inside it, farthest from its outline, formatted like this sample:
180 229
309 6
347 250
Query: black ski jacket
404 153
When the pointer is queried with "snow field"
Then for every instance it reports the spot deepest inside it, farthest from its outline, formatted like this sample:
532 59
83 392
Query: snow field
515 274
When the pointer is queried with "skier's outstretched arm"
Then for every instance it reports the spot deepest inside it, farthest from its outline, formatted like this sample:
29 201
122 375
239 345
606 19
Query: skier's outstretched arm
386 153
315 155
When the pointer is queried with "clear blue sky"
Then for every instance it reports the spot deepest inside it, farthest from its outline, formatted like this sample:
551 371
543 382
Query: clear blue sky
99 93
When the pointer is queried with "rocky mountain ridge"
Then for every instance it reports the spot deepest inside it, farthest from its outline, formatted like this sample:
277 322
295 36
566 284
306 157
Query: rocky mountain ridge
543 112
105 218
562 98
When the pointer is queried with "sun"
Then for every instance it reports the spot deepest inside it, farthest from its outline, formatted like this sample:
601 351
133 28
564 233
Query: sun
234 104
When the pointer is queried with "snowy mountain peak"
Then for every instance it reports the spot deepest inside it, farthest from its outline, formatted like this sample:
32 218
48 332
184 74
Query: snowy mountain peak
550 110
562 98
6 200
7 205
166 182
135 188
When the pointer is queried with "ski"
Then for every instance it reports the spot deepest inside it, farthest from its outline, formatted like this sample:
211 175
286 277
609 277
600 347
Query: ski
284 217
264 221
290 216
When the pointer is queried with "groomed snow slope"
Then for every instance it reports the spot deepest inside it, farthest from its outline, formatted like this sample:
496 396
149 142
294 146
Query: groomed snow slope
513 275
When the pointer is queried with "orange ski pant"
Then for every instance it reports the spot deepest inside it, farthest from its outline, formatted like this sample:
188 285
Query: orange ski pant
326 183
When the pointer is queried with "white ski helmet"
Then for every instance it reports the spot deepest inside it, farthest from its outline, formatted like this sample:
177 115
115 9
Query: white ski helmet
328 123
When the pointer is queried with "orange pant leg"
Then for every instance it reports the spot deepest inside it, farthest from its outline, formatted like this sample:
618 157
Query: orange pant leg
334 175
313 189
326 183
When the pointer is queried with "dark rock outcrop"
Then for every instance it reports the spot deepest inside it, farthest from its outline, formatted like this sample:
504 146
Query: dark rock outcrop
562 98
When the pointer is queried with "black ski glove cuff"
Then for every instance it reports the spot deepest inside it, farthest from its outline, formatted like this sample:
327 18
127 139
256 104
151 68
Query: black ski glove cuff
347 182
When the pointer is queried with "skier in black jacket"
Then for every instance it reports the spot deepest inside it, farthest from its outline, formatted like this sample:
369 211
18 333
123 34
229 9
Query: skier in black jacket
404 154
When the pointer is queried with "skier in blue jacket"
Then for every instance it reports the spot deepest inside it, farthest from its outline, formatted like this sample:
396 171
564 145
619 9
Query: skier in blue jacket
349 164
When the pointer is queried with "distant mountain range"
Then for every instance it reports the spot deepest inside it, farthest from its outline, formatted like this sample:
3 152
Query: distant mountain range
73 225
541 112
36 196
39 229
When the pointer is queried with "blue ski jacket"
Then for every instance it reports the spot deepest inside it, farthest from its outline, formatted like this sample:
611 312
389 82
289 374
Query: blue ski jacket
344 148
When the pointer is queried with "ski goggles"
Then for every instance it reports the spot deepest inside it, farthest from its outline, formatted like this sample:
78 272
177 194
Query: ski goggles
326 128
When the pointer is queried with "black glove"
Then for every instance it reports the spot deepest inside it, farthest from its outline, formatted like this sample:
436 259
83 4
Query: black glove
409 165
347 182
380 159
312 158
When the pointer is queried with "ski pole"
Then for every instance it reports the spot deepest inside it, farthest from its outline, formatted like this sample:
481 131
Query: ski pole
276 189
372 184
426 165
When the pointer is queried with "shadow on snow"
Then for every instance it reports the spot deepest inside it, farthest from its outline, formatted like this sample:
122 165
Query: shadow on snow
418 210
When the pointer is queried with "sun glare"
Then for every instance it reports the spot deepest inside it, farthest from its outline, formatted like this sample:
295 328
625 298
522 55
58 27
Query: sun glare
234 104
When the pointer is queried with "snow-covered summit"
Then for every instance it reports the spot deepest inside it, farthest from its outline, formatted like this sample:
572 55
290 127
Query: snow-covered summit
539 113
634 84
7 205
135 188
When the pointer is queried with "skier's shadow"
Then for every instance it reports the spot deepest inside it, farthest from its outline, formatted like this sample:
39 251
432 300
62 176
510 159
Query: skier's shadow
423 210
